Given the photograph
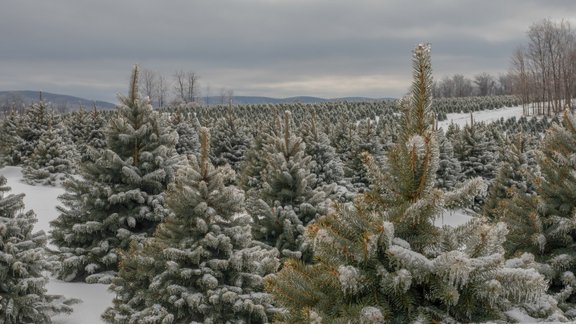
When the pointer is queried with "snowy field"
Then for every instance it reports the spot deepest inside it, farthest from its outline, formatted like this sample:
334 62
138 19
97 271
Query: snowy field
95 297
486 116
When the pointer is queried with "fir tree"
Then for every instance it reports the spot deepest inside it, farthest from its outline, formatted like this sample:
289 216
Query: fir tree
383 260
201 266
120 196
23 297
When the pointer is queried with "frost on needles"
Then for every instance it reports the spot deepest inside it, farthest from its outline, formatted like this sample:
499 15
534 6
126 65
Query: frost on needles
201 265
382 259
120 194
23 261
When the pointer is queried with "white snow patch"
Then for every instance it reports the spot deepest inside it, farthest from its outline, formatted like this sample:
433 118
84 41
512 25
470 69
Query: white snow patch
453 218
95 299
486 116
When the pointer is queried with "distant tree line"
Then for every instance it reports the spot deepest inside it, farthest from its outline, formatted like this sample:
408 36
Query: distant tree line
183 90
544 68
481 85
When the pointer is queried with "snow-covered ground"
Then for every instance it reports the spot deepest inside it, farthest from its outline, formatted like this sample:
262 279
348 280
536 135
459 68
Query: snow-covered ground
43 200
486 116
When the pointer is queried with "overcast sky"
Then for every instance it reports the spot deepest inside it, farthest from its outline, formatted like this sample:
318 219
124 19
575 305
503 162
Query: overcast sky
278 48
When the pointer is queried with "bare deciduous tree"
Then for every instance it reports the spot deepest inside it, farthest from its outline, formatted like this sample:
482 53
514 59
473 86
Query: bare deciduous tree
187 86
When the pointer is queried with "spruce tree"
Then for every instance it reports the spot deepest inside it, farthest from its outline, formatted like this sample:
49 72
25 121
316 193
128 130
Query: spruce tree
53 160
449 171
288 186
383 260
328 167
517 166
120 196
476 150
201 266
9 127
230 141
23 261
34 123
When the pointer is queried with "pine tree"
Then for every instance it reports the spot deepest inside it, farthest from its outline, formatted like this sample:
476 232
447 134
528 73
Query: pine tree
201 266
543 224
383 260
23 297
120 196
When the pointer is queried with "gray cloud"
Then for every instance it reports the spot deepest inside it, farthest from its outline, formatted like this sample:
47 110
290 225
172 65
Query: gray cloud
258 47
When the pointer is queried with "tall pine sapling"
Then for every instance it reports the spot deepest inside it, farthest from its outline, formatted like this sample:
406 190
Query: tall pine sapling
383 259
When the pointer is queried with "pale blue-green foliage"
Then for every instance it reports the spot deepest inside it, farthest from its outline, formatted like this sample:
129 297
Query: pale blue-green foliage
120 194
53 160
202 264
23 263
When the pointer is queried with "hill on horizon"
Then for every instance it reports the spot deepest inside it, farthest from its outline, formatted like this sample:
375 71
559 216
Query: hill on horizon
57 101
62 102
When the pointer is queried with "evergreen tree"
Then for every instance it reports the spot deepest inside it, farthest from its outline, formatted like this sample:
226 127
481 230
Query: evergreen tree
188 142
120 196
543 224
383 260
230 141
201 266
53 160
477 151
328 167
517 165
449 171
9 127
23 297
288 185
34 123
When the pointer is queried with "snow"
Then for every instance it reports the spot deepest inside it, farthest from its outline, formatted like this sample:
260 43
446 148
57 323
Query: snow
43 200
453 218
486 116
